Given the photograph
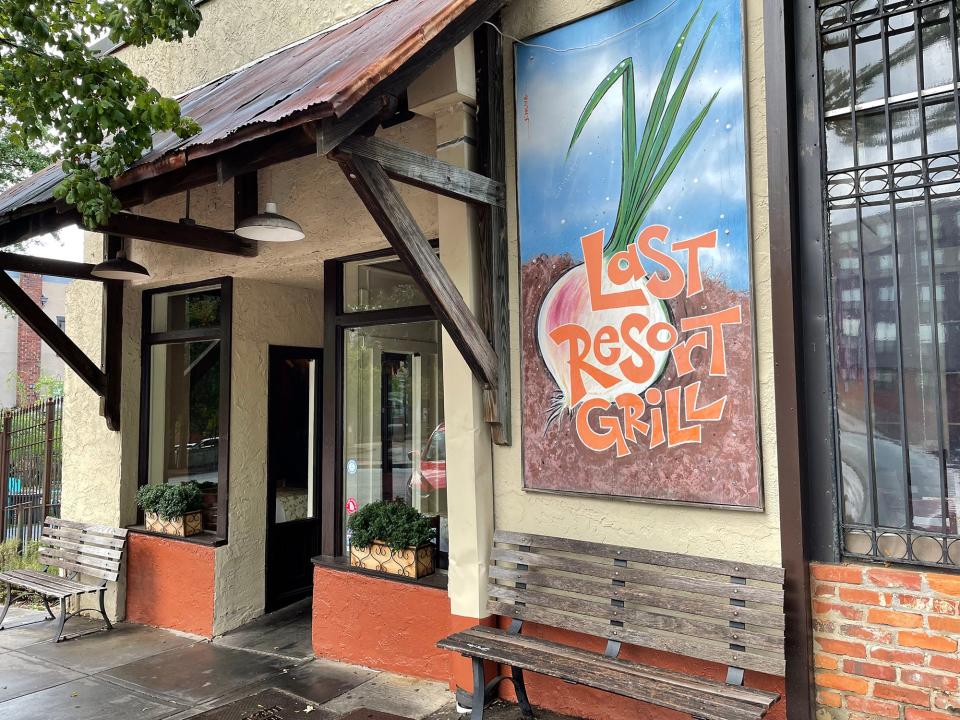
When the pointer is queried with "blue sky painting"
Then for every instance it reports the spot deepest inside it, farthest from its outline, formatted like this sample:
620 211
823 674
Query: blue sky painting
562 198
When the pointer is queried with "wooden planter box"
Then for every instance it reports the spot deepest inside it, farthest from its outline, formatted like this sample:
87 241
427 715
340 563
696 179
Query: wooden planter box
189 524
410 562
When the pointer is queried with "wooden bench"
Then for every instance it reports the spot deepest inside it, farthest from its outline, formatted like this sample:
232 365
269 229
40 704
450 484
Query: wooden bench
716 610
76 549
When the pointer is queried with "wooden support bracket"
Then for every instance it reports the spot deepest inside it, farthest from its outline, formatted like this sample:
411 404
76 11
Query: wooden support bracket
415 168
380 196
51 334
47 266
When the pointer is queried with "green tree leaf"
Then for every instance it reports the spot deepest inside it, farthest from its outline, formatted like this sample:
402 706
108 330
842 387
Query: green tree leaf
56 88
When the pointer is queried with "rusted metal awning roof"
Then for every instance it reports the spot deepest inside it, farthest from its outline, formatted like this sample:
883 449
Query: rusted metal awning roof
322 76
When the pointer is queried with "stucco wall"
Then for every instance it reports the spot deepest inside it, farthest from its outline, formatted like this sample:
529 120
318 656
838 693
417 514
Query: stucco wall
233 33
264 314
752 537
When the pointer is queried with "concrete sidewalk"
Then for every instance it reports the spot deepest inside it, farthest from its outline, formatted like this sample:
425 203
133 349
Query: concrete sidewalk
264 671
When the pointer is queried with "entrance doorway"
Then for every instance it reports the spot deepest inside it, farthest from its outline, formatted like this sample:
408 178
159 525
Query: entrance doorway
293 525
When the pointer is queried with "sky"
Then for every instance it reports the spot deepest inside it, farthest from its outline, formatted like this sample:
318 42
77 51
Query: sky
562 198
66 245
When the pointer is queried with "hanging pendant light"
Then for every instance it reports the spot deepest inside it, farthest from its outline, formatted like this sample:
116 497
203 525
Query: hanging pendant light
269 226
120 268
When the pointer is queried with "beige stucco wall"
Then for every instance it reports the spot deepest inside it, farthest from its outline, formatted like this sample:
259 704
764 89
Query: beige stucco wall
232 33
745 536
264 314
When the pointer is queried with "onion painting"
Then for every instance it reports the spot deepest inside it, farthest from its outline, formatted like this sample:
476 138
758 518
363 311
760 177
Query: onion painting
646 167
636 312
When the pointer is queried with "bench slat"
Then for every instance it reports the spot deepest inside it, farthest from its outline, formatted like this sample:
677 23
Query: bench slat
704 607
45 584
679 680
648 557
53 555
89 529
85 548
79 536
84 569
699 586
679 644
648 620
605 676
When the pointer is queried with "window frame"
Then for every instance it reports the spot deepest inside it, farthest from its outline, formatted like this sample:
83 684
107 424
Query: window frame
336 321
223 333
822 477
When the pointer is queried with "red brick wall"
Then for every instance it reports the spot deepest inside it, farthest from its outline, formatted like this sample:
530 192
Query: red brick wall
886 642
28 342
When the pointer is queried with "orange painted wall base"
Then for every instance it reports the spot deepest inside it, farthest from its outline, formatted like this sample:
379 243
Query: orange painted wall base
170 584
381 623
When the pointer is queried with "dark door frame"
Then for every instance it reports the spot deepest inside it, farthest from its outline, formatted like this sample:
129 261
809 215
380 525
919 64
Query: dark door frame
787 56
277 352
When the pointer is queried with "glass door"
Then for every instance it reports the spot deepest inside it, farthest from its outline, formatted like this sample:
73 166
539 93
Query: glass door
393 433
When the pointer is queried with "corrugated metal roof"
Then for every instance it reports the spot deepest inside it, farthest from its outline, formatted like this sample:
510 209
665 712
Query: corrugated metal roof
322 76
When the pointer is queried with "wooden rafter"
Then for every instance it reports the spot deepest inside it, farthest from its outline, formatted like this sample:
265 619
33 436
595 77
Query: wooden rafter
380 196
46 266
195 237
51 334
415 168
112 339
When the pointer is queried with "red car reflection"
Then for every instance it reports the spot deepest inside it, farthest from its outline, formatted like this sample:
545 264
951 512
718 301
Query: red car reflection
432 472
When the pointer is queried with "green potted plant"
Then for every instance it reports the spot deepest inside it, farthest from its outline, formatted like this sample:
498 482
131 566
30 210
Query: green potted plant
172 508
393 538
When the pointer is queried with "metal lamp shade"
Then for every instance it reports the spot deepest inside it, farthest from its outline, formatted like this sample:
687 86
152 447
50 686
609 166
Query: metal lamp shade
269 226
119 268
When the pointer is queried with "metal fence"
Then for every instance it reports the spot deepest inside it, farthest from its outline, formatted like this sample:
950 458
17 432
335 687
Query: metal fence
31 453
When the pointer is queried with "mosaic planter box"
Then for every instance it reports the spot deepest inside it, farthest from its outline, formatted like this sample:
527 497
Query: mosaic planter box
185 526
410 562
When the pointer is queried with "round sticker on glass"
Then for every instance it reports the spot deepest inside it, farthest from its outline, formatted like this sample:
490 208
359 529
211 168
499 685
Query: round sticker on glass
351 467
352 506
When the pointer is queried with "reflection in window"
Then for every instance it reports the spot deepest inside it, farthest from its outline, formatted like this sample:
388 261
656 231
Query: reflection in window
185 370
394 444
895 314
379 284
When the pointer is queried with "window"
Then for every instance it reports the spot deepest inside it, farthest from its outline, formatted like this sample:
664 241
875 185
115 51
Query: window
892 214
186 393
388 379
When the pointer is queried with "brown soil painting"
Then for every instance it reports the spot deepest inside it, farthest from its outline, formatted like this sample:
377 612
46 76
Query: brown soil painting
722 470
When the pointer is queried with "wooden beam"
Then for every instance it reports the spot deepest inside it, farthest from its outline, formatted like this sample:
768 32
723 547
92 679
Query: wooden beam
33 315
196 237
245 196
494 257
332 131
41 222
112 339
46 266
416 168
384 203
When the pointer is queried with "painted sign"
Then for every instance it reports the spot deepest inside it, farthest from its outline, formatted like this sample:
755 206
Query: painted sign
638 358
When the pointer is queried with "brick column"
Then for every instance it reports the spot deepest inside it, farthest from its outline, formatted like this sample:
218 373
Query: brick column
28 342
887 642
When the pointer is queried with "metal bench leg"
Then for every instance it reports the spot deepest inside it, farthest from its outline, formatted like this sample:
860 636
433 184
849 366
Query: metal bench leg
6 605
103 610
46 604
479 690
62 620
525 710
